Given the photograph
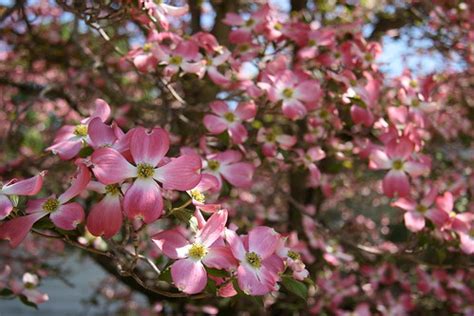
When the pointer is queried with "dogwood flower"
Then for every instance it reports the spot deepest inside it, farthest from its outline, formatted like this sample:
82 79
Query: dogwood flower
230 120
27 187
259 266
228 165
143 198
203 249
396 158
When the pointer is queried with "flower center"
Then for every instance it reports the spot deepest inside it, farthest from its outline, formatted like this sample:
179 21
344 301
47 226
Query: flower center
421 208
288 93
249 23
147 47
230 117
213 165
397 165
253 259
197 251
80 130
271 137
51 205
112 189
293 255
145 170
198 196
176 60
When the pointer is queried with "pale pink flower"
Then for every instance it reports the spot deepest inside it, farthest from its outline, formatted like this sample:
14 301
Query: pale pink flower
272 139
185 56
26 187
161 11
228 165
203 249
208 183
396 158
259 266
143 198
230 120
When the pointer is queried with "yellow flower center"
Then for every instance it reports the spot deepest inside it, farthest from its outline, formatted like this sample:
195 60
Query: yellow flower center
397 165
421 208
145 170
253 259
249 23
51 205
288 93
229 116
197 251
112 189
293 255
198 196
176 60
147 47
213 165
80 130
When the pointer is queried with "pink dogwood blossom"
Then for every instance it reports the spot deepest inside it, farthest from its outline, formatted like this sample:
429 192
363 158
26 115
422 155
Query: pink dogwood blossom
228 165
26 187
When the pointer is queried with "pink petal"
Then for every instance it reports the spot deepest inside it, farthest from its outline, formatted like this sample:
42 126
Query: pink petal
249 281
78 184
286 141
6 206
238 174
308 91
68 216
236 244
215 124
149 147
233 19
100 133
102 110
445 202
467 243
172 243
405 204
105 217
246 110
396 183
362 116
414 221
174 11
400 149
219 107
217 77
36 205
15 230
67 149
219 257
189 276
208 183
182 173
111 167
227 157
438 217
316 153
263 241
294 109
379 160
143 199
29 186
415 169
238 133
213 228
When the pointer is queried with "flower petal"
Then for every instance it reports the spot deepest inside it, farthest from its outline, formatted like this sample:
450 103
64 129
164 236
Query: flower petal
172 243
379 160
213 228
249 281
68 216
238 174
105 217
238 133
416 169
414 221
6 206
149 147
15 230
219 107
143 199
111 167
219 257
182 173
189 276
263 241
215 124
78 184
396 183
29 186
100 133
236 244
246 110
405 204
294 109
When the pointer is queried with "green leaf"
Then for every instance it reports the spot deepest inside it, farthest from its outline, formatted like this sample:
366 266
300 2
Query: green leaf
86 152
217 273
296 287
25 301
6 292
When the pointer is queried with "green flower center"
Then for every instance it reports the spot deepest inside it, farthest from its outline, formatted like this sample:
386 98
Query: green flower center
249 23
80 130
176 60
244 47
197 251
293 255
198 196
397 165
270 137
147 47
230 117
112 189
253 259
51 205
288 93
421 208
145 170
213 165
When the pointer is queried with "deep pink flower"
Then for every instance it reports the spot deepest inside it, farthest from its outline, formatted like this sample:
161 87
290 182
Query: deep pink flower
105 218
70 139
207 183
188 272
396 158
259 266
230 120
185 56
228 165
143 198
63 214
27 187
418 211
272 139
